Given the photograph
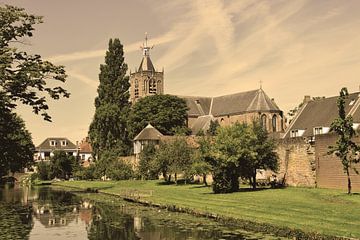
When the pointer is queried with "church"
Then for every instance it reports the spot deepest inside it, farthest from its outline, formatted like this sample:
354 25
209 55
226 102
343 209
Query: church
227 109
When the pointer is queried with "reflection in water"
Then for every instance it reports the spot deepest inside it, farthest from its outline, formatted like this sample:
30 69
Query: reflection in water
50 213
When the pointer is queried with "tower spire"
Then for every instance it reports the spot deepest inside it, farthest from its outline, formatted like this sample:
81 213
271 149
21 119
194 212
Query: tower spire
145 48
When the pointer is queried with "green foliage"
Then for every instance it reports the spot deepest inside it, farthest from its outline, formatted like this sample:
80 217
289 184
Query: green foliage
263 155
147 166
173 157
214 125
108 130
238 151
104 162
44 170
166 113
62 164
24 75
120 170
345 148
86 173
202 158
16 144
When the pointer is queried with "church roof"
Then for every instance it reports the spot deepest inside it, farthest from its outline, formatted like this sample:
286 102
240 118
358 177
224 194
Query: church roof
250 101
148 133
201 123
146 64
261 102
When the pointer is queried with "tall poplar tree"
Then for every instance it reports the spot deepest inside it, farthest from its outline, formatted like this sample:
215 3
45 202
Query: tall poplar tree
108 128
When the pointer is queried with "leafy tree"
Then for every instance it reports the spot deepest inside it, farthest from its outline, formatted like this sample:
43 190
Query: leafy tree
345 148
147 167
44 171
165 112
173 157
24 77
16 146
214 125
229 149
103 163
62 164
181 157
108 130
202 158
163 160
263 155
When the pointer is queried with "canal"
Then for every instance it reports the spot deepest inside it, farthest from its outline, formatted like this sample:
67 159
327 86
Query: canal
49 213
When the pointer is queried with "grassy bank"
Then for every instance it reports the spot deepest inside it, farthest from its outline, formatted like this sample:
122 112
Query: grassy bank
330 212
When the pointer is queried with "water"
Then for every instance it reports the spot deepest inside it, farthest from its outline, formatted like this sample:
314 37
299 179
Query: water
53 213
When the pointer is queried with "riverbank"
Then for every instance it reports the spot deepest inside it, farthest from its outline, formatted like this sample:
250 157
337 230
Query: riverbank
320 211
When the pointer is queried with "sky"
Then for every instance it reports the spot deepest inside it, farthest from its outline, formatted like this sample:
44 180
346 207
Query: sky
206 47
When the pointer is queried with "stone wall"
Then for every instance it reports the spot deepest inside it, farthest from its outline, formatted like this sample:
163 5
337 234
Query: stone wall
296 162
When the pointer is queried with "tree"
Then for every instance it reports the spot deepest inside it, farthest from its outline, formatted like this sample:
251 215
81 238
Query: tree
214 125
62 164
165 112
120 170
147 167
108 130
24 77
262 156
16 146
163 160
202 158
230 148
345 149
181 154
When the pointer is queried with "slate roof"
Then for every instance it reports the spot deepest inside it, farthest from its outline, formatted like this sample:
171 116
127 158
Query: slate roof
201 123
148 133
321 113
250 101
146 64
45 145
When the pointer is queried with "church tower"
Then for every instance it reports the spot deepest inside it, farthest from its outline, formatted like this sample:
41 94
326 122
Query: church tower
146 80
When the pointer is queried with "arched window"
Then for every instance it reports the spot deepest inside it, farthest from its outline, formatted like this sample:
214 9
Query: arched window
152 86
273 123
136 88
263 121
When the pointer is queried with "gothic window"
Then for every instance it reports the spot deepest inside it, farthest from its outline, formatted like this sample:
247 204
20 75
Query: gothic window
152 86
136 88
263 121
273 121
159 86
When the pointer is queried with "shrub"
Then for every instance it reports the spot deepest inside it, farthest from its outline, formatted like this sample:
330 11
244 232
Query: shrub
44 170
120 170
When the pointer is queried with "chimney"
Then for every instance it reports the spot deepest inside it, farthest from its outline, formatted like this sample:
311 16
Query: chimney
307 98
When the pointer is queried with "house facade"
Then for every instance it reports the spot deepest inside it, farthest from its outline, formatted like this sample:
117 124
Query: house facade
46 149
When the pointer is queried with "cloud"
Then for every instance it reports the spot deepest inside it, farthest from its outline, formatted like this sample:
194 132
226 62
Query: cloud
77 56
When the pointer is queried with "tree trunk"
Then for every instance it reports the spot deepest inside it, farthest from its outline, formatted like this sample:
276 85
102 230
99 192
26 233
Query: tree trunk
175 175
254 180
204 179
169 178
349 181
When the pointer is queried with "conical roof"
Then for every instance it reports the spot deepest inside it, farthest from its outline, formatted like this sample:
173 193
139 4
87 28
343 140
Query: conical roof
146 64
261 102
148 133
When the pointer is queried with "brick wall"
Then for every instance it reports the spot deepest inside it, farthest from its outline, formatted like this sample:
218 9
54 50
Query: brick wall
330 172
296 162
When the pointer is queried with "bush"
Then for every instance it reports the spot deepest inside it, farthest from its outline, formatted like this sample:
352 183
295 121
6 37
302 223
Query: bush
147 166
225 180
120 170
44 170
86 173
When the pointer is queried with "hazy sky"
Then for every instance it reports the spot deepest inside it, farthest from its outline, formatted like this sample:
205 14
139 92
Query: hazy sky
207 48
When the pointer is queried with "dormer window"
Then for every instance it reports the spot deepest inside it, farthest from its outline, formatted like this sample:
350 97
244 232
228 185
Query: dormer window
63 142
52 143
320 130
296 133
352 102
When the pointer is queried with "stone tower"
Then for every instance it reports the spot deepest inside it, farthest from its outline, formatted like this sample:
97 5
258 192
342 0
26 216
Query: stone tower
146 80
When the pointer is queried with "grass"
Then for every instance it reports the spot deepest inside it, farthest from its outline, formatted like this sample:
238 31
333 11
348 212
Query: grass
329 212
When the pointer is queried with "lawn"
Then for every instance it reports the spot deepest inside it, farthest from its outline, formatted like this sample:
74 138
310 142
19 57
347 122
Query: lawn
330 212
